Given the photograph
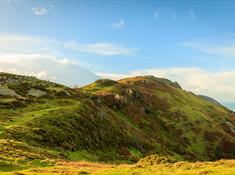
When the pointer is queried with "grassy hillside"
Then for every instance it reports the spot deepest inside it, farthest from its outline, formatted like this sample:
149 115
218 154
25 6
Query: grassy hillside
42 123
174 121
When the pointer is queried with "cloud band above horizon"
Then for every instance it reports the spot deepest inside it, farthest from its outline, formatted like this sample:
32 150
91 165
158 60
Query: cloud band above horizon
202 82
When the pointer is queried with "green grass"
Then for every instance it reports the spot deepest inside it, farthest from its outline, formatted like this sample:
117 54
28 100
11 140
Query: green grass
223 167
17 155
30 115
6 166
81 156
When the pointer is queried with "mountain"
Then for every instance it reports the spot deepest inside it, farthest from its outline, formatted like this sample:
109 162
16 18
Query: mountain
209 99
109 121
230 106
176 122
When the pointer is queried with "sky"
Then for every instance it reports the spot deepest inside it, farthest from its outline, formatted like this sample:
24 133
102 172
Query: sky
76 42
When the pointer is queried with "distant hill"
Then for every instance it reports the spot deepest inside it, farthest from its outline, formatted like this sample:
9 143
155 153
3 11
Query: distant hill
230 106
210 99
113 120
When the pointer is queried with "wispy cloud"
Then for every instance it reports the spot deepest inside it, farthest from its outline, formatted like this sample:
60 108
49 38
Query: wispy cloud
28 44
11 1
217 85
157 13
120 24
102 48
51 6
192 14
175 16
220 47
43 57
40 11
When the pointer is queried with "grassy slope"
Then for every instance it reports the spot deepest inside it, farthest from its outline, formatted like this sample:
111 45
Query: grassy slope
183 123
111 121
17 155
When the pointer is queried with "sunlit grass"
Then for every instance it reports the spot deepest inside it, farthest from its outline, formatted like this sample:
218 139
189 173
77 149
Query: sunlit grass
222 167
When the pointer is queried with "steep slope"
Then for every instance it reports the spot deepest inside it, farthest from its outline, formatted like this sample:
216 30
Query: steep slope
175 121
115 120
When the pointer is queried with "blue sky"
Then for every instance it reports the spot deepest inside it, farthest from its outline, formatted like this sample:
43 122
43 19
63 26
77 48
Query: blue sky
158 39
192 42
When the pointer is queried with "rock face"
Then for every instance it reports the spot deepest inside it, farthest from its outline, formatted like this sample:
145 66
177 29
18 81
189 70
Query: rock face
9 92
230 127
36 93
24 87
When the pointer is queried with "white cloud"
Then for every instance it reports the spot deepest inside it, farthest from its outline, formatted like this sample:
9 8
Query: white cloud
226 49
102 48
120 24
10 43
52 59
43 58
29 44
218 85
40 11
47 67
43 75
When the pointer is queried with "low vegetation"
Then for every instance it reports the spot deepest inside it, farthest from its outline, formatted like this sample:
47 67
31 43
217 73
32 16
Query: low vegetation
44 124
222 167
